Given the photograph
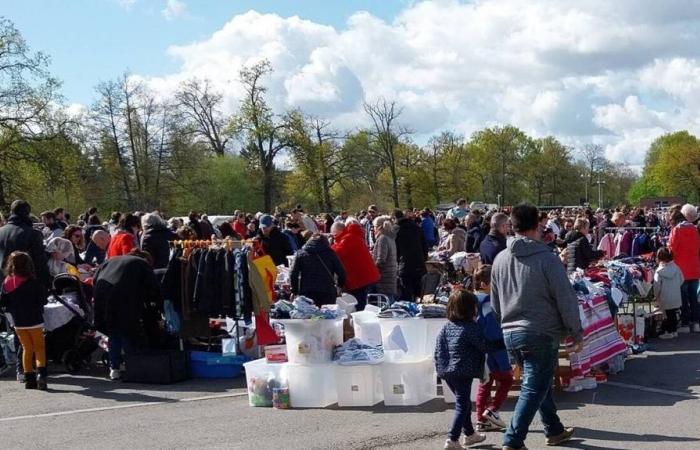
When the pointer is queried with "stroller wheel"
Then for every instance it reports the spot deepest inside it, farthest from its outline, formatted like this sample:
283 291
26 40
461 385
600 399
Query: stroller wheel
72 361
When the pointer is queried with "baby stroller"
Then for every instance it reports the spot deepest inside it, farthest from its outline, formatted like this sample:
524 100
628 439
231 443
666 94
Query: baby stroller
68 317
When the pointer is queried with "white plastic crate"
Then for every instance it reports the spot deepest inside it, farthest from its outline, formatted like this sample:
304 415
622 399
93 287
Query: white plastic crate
311 341
262 377
404 339
312 386
408 383
359 385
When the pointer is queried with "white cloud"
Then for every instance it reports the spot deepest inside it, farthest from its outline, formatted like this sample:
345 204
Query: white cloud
617 73
174 9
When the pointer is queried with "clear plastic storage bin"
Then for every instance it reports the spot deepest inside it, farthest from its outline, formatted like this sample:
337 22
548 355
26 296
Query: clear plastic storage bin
312 386
408 383
404 339
262 377
366 327
433 327
311 341
359 385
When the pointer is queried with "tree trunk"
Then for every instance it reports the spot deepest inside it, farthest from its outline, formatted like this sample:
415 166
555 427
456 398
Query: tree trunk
394 186
409 195
268 181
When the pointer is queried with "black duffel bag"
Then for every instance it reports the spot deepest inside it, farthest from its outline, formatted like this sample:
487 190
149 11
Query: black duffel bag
156 366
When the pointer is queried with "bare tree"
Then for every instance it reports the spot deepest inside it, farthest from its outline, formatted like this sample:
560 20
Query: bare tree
385 135
262 132
200 105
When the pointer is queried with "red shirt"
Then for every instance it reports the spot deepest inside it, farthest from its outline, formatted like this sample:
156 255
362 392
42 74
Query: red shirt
121 244
240 229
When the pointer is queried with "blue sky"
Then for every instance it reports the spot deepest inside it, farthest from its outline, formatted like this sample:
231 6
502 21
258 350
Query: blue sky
617 73
95 40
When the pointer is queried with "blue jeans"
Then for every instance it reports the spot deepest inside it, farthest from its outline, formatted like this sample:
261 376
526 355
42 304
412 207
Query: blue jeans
689 309
116 345
537 355
462 388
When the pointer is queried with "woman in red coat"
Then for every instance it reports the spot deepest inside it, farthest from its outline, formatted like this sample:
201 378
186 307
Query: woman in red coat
125 238
362 273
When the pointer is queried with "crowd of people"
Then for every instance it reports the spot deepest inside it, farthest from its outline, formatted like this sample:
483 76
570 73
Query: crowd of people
524 302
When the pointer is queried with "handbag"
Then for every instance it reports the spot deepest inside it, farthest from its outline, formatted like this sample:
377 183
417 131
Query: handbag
338 290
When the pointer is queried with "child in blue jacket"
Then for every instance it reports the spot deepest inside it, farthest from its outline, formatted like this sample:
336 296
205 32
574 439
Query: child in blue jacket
459 358
500 370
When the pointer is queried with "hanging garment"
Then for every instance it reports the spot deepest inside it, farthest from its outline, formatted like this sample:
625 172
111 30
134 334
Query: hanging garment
607 244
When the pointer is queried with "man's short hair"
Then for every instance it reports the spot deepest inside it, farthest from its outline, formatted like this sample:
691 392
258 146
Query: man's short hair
524 217
461 202
498 219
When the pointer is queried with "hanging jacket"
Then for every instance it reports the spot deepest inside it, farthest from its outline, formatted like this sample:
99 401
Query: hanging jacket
357 261
384 255
684 242
24 299
315 267
623 243
497 359
411 250
607 245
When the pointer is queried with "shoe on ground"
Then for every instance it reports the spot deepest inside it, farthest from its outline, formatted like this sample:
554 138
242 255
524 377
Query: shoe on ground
684 330
494 418
30 381
41 382
453 445
696 328
473 439
561 437
114 374
667 336
483 427
20 377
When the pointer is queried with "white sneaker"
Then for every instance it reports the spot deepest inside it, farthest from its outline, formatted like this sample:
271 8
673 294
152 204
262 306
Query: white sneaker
696 328
114 374
453 445
474 439
667 336
684 330
494 418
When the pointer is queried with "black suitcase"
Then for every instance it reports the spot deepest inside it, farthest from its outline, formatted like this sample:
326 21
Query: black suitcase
156 366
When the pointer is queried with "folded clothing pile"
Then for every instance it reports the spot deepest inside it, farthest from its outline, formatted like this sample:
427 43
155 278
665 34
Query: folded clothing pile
432 311
303 308
355 352
399 310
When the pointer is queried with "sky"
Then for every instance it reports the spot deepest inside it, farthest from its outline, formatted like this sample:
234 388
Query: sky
617 73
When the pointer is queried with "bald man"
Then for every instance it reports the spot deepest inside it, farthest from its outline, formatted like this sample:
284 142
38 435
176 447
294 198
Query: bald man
97 248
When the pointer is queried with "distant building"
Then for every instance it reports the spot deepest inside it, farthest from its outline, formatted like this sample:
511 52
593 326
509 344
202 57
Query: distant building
660 202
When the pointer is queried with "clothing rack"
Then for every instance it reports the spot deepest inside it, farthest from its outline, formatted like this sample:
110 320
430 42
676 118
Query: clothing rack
634 228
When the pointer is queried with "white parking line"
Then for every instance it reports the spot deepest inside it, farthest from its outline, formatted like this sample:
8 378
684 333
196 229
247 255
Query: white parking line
681 394
110 408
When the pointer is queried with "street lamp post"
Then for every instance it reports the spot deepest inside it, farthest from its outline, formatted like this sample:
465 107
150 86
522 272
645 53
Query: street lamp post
600 191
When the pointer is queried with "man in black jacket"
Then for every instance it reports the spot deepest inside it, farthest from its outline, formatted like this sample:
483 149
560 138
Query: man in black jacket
495 242
274 242
126 292
411 252
19 234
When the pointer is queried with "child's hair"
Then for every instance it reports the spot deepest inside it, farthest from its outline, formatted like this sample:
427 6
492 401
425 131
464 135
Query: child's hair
461 306
482 276
664 255
21 264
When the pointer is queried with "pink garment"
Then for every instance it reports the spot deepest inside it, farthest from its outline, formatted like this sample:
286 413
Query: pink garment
13 282
607 244
623 243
